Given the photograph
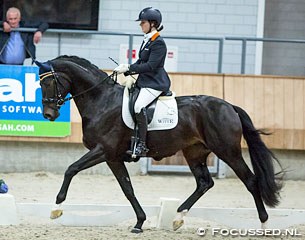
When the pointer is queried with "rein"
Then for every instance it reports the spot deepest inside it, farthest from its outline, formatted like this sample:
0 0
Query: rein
59 100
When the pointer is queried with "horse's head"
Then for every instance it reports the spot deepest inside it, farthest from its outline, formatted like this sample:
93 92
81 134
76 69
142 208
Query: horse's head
53 90
69 74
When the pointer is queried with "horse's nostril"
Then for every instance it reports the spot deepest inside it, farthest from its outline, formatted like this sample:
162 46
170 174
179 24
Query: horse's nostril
47 116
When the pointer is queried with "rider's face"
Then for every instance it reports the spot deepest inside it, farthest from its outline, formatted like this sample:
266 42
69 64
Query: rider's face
145 26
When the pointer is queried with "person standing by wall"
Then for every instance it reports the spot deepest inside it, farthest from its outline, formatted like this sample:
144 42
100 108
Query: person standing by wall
16 46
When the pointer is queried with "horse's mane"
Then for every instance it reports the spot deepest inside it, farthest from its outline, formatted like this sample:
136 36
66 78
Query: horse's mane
80 61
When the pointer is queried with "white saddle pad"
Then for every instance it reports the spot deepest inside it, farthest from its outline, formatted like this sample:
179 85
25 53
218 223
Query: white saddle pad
165 115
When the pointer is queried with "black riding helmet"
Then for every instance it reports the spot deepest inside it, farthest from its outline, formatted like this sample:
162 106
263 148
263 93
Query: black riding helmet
150 14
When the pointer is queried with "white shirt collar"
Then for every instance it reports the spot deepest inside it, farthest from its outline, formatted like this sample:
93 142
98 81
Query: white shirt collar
149 35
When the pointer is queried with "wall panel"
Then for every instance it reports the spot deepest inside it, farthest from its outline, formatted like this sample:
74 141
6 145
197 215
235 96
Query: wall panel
273 103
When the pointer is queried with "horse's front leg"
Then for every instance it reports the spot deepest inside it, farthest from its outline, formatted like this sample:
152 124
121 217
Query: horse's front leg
90 159
120 172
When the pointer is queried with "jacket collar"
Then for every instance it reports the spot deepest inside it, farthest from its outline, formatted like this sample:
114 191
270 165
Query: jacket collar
153 36
148 36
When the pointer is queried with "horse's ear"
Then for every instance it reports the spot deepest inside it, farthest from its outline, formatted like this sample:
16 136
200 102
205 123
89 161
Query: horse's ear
43 67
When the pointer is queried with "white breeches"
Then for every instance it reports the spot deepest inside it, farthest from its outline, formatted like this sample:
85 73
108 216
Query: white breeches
146 96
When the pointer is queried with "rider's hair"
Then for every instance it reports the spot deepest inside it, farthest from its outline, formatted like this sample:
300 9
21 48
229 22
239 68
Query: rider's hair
157 25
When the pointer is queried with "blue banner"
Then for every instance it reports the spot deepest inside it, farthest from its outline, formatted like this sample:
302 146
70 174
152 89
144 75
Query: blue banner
20 100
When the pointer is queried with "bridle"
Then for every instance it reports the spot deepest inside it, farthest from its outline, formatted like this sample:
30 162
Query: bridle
59 100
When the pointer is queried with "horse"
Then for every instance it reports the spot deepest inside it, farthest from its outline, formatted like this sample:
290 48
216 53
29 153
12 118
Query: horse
205 124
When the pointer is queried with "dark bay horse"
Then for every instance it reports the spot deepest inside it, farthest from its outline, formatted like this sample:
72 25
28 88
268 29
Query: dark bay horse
206 124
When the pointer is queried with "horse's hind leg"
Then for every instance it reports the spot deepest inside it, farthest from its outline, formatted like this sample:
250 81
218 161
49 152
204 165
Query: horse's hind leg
241 169
196 158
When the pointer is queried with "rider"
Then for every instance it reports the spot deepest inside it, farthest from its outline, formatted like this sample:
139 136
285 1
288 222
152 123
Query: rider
152 77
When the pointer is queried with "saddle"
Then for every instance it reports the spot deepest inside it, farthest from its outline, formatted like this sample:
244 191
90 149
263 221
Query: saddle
150 108
162 113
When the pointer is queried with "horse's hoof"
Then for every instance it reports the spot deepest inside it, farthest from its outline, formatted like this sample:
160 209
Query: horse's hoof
136 230
264 225
177 224
56 213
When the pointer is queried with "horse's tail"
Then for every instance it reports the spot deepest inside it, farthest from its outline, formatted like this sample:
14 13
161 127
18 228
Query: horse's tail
262 161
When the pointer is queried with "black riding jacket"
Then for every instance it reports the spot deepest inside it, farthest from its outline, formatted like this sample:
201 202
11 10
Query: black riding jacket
150 65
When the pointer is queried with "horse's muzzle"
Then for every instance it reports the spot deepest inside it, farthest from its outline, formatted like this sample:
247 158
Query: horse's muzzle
50 114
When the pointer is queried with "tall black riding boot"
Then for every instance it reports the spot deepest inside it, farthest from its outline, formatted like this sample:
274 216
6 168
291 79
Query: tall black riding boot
141 121
140 149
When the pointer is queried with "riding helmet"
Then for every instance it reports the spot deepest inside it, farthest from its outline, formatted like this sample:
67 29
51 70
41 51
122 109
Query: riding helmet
150 14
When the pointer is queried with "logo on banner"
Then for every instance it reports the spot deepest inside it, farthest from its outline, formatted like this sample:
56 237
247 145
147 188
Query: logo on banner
21 107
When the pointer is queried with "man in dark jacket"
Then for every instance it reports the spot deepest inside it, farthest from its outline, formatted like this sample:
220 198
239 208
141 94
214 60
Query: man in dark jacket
16 46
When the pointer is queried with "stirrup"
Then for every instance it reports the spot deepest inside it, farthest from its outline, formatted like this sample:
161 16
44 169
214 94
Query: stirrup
139 150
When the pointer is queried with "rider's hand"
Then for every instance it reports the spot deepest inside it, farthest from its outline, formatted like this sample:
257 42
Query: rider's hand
122 68
128 81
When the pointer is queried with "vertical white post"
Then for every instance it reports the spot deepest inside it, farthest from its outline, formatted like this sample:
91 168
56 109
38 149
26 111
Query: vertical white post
167 213
8 210
259 34
221 173
143 165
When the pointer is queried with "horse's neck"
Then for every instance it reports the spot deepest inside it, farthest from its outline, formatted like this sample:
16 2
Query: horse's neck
93 88
99 100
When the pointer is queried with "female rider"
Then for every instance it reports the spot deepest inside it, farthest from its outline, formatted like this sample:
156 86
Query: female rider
152 77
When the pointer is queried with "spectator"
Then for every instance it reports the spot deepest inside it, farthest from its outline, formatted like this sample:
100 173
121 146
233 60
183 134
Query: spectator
16 46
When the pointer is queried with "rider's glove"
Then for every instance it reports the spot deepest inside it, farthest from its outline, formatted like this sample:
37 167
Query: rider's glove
128 81
122 68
